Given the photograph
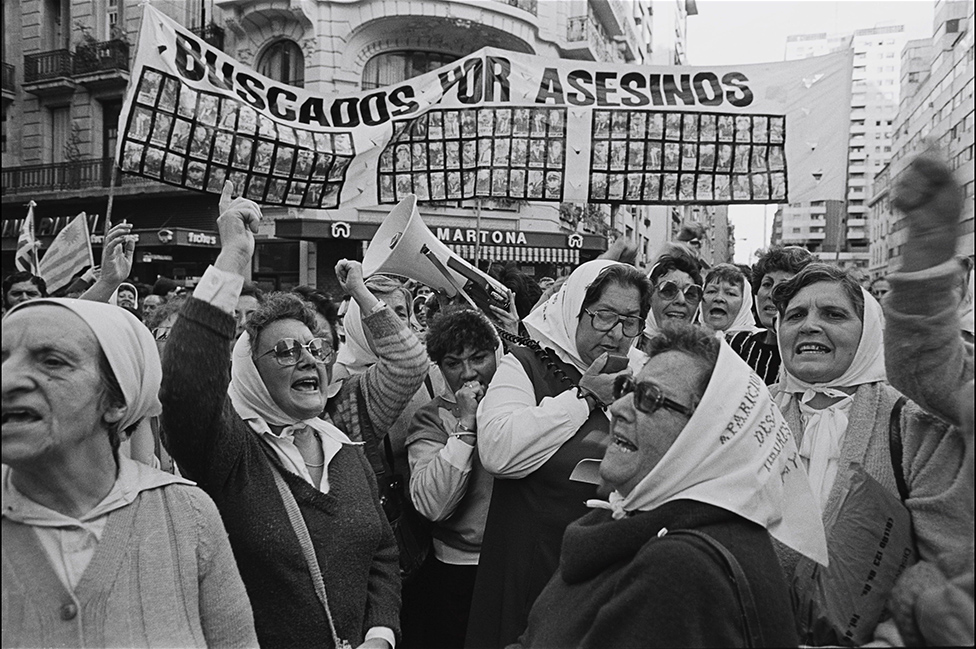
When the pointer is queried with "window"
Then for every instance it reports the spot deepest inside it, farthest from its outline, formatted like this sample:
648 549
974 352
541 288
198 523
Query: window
110 126
952 26
283 61
59 125
393 67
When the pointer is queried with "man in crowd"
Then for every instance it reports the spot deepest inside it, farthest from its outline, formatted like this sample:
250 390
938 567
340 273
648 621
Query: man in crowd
21 287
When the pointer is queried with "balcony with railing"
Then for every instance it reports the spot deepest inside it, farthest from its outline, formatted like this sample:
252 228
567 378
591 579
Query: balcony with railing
586 39
79 176
532 6
9 85
212 33
102 65
49 73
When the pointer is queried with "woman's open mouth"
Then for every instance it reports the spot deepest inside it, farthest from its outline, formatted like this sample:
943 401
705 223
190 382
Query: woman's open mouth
310 384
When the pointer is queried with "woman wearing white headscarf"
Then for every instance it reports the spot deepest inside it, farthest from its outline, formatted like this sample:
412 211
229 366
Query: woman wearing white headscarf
676 279
260 444
697 444
875 461
100 550
542 414
727 301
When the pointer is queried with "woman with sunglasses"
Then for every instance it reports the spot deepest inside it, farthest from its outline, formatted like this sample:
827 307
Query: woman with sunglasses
676 278
681 553
542 414
278 471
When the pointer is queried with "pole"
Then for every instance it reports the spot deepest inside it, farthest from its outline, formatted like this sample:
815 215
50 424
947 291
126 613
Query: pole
477 240
111 197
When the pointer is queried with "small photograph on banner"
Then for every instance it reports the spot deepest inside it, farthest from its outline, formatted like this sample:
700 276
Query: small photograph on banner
198 140
687 157
512 153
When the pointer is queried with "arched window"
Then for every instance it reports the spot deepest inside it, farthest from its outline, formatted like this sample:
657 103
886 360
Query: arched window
283 61
393 67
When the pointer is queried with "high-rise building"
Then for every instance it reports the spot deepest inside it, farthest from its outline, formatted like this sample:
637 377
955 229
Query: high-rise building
67 62
936 106
838 230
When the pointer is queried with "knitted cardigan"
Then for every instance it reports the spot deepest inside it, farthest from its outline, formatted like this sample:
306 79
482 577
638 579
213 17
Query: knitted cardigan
163 575
619 585
354 544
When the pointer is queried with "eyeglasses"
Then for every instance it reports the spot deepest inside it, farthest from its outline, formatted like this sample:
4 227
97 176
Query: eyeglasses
605 320
288 351
669 291
647 396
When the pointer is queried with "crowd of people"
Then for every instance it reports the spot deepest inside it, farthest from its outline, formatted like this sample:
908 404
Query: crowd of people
687 455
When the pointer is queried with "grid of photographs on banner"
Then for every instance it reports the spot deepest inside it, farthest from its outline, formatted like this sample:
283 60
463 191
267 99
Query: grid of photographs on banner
198 140
514 153
672 157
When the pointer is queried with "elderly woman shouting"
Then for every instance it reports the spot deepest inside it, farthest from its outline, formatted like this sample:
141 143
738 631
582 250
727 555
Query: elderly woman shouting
296 492
886 476
542 414
100 550
704 472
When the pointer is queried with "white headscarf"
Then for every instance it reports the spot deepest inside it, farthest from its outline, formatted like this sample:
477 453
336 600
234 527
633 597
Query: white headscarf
355 354
737 453
824 430
744 320
129 348
554 323
253 402
114 299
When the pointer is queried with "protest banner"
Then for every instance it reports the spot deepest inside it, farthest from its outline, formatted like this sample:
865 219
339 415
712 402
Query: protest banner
494 124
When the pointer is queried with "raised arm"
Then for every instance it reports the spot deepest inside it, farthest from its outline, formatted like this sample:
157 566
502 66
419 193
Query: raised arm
117 252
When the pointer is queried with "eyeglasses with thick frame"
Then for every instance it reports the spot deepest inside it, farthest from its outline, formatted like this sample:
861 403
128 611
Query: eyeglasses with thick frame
606 320
288 351
648 397
669 291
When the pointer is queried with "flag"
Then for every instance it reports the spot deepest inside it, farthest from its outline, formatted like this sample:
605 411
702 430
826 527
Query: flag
70 252
26 258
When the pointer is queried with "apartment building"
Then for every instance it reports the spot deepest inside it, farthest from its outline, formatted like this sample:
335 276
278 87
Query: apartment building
839 229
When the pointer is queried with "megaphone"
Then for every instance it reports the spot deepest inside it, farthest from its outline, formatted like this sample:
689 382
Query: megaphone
404 245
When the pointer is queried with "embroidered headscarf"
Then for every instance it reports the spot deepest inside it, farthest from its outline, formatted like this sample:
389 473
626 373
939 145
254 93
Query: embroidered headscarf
738 453
129 348
554 323
253 401
823 433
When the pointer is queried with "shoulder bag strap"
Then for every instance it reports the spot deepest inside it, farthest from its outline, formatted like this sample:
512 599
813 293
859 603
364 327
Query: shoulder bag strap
301 531
750 616
894 447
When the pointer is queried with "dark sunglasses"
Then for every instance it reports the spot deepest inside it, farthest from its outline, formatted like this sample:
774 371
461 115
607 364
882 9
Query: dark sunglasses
669 291
288 351
647 396
605 320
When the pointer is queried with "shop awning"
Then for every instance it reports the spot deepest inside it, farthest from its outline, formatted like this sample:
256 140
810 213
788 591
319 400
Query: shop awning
522 254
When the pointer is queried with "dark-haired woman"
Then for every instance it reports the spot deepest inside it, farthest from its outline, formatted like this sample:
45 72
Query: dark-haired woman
261 450
542 415
677 290
448 484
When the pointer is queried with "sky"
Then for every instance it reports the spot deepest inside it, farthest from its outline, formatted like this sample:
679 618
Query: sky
728 32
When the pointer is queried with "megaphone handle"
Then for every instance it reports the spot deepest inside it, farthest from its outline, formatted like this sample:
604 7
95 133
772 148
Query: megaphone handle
447 274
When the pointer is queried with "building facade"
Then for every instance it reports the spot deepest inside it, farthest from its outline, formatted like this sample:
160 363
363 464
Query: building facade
936 106
835 229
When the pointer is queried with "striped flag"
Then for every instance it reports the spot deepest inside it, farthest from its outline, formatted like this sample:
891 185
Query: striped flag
70 252
26 257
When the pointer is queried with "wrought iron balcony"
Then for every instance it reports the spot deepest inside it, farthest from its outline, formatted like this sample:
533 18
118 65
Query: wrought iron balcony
106 56
584 32
78 175
213 34
47 66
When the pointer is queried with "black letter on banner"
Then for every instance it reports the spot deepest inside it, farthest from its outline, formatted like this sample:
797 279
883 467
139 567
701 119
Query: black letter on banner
629 84
703 79
550 88
582 96
227 82
251 87
399 99
602 90
685 93
273 93
353 115
188 62
450 77
655 88
382 114
469 90
498 72
313 109
736 80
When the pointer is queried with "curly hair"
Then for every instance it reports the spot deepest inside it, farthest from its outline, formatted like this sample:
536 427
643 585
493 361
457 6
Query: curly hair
624 275
814 274
324 305
23 276
676 257
692 340
278 306
790 259
457 328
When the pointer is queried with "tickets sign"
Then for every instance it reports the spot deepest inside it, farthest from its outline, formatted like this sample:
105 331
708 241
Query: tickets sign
494 124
